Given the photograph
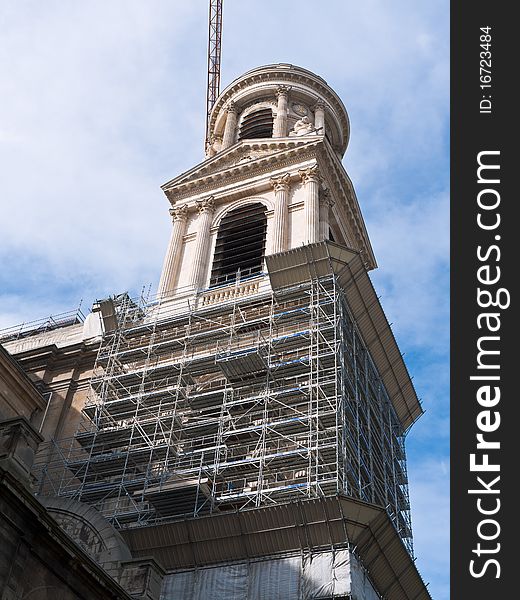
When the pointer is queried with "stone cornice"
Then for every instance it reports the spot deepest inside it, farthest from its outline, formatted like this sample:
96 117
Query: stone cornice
25 513
52 357
341 187
204 177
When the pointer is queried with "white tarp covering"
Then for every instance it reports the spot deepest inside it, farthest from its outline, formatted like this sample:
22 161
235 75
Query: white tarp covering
228 582
270 579
326 575
310 576
360 582
318 575
180 585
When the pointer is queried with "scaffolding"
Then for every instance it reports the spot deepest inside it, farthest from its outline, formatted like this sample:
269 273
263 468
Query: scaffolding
241 403
50 323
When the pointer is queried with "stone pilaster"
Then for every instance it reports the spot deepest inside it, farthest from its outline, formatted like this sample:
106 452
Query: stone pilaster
319 117
326 202
280 123
206 208
281 185
230 127
311 182
170 269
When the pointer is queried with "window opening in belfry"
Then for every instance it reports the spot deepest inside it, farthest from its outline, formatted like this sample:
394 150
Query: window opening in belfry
240 245
258 124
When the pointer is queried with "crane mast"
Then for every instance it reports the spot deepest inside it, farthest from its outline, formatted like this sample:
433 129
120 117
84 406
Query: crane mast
214 52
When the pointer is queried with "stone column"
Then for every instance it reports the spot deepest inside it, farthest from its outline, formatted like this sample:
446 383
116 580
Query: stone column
199 262
172 259
326 202
230 127
280 123
311 181
319 117
281 185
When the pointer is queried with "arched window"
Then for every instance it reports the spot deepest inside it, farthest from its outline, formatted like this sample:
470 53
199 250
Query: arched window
257 124
240 244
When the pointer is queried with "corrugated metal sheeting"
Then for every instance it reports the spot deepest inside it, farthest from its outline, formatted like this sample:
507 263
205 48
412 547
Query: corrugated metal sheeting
305 576
305 526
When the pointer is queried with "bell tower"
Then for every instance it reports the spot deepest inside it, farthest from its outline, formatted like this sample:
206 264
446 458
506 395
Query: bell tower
277 136
293 395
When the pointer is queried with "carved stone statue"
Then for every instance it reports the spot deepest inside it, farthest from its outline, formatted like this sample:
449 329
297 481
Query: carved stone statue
303 127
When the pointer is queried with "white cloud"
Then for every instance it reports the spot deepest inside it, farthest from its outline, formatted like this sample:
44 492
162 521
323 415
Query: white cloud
411 243
92 120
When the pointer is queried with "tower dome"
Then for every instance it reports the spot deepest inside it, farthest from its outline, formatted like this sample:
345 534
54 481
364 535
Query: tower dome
278 101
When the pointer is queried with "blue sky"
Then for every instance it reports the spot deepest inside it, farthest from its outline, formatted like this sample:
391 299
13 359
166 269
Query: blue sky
103 101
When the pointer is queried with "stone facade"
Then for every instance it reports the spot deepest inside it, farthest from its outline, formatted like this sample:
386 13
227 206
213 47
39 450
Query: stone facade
38 560
70 551
19 397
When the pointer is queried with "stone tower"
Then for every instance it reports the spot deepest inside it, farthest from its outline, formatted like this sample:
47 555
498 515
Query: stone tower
246 427
278 134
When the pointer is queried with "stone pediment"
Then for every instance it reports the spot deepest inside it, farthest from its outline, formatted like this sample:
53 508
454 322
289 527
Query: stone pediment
250 158
244 157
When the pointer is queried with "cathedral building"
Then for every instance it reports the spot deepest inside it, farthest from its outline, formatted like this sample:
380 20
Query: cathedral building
240 434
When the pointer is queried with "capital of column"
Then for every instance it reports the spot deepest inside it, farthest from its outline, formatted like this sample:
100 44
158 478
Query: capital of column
326 199
282 90
231 107
310 174
281 182
179 213
320 105
206 205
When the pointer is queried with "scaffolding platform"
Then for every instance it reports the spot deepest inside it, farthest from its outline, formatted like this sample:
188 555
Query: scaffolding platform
240 404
